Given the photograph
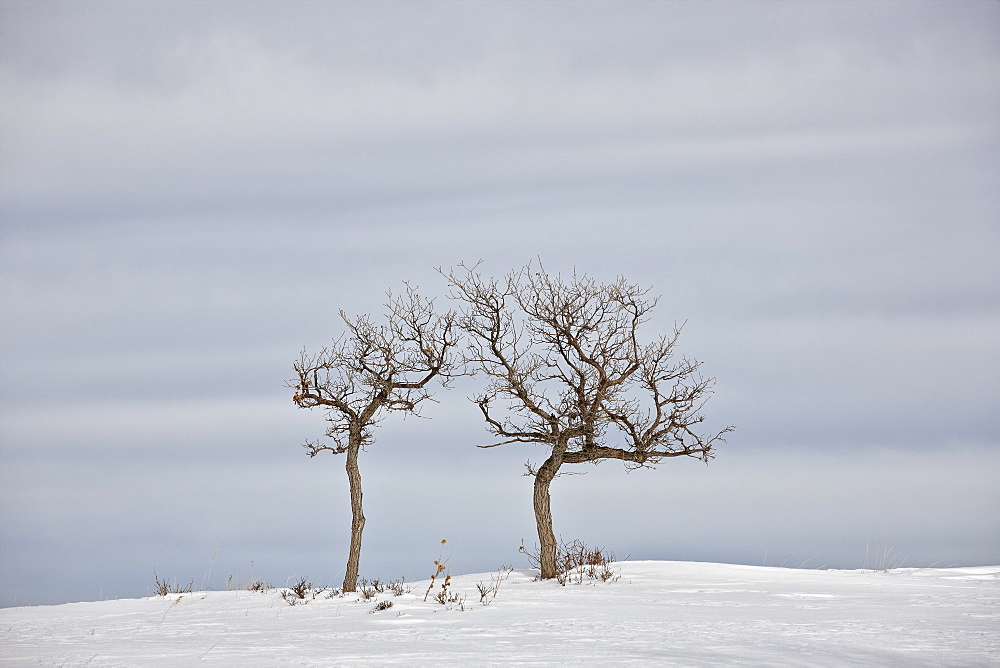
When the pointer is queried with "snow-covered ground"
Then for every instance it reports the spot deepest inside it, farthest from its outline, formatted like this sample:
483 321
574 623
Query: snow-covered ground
657 613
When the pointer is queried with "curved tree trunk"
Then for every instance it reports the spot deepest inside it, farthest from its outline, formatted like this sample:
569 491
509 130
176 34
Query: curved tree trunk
543 513
357 516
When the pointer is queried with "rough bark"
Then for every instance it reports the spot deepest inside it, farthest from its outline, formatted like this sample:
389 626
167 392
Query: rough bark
543 515
357 517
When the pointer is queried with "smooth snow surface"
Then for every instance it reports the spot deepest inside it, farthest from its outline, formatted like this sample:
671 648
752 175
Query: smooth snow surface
657 613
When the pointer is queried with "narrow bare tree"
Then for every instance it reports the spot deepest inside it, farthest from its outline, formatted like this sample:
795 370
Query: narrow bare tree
366 373
566 369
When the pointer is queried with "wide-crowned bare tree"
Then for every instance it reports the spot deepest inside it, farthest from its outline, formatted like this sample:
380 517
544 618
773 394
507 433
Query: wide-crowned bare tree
566 369
368 372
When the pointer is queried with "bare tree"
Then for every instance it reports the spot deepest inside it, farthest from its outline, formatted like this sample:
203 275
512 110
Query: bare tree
567 370
369 371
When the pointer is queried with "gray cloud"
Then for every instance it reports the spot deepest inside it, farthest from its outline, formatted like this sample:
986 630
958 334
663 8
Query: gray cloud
191 191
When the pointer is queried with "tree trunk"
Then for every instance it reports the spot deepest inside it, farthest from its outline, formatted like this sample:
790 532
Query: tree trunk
357 516
543 513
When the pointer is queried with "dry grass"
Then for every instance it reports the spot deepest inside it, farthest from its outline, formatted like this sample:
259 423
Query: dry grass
883 558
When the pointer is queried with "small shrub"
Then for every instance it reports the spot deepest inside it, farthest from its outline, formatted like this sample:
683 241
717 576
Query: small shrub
489 592
443 595
259 586
575 561
164 587
484 591
301 588
605 573
297 593
449 598
291 598
382 605
399 587
369 590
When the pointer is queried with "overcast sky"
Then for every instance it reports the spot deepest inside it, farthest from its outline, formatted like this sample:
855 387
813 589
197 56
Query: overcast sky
190 191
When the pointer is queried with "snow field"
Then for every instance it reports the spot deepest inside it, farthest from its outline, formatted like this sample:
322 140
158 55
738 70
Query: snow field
662 613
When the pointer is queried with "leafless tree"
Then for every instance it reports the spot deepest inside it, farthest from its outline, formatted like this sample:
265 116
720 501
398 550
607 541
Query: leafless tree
566 369
369 371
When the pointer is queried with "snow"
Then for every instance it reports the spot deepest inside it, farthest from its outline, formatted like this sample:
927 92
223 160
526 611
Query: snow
656 612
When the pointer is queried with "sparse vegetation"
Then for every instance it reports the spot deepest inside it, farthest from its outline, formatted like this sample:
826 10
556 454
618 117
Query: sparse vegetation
301 588
370 589
484 591
301 592
575 561
447 597
172 606
442 596
399 587
883 558
440 564
488 592
382 605
291 599
259 586
165 587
